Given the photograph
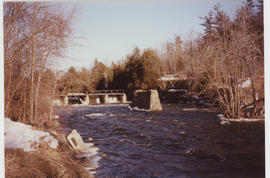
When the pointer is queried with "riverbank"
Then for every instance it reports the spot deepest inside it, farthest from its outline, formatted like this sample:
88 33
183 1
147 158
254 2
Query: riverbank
41 160
42 163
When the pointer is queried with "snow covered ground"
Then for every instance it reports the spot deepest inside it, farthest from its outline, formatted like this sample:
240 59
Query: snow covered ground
170 77
19 135
224 120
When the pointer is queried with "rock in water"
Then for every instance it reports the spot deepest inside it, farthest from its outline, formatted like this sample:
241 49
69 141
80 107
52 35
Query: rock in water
53 124
147 99
75 140
90 139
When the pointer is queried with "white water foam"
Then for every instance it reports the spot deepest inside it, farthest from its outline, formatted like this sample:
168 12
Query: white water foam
138 109
112 115
94 115
92 154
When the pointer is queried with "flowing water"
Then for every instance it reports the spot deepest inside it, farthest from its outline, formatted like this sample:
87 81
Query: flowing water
178 142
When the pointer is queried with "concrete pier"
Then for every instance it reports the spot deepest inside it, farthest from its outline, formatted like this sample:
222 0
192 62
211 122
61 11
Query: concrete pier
147 99
66 100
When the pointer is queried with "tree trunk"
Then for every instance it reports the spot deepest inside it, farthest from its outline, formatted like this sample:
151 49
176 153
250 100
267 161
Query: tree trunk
37 95
33 60
253 91
52 97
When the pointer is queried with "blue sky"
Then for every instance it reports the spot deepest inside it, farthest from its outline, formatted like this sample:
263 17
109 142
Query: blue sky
109 30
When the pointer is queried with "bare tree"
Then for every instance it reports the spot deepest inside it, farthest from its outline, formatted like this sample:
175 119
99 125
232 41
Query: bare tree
234 65
228 58
34 34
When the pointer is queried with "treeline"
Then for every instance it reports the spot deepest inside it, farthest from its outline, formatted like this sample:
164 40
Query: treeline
35 34
140 70
228 59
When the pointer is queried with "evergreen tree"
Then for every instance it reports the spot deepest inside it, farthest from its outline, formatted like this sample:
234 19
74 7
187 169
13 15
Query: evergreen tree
143 69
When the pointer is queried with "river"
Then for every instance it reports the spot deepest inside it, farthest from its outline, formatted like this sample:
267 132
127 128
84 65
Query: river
178 142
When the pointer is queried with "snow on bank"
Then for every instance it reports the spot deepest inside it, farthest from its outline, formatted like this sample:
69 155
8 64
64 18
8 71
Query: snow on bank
224 120
19 135
245 84
169 77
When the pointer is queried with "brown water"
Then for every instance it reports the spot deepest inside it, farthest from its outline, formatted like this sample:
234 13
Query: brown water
178 142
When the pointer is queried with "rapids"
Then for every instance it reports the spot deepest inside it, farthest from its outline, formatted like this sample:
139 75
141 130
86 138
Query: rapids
178 142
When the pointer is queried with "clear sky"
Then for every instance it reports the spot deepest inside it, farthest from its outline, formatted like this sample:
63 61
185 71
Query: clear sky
109 30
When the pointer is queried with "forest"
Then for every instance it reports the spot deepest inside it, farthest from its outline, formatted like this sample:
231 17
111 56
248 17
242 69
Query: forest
226 60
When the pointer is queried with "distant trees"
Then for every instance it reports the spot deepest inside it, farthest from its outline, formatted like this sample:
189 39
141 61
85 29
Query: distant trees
34 34
101 75
138 71
75 81
172 58
120 76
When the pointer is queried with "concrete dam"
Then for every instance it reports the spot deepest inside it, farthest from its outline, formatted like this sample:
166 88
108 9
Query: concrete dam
93 97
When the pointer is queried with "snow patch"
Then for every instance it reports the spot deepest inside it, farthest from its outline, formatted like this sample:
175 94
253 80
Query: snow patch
224 120
245 83
169 77
19 135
